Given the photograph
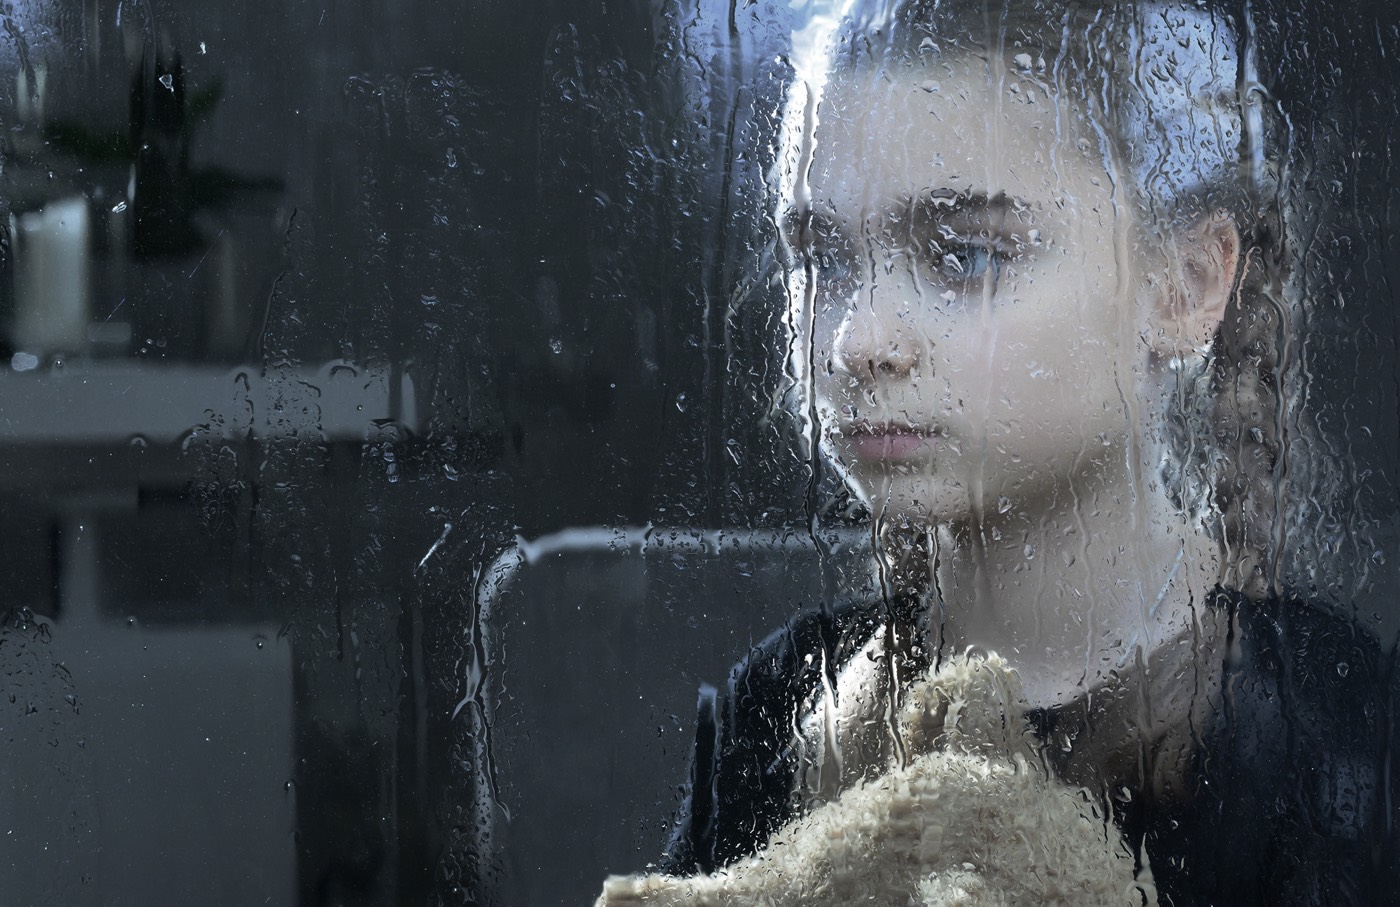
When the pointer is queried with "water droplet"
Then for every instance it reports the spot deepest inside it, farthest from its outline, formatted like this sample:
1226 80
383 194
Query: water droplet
556 345
428 299
168 81
680 402
24 362
451 158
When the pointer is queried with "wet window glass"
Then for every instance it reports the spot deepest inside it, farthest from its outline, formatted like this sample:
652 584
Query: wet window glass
698 452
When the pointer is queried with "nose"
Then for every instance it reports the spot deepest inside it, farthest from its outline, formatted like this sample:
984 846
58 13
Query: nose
877 342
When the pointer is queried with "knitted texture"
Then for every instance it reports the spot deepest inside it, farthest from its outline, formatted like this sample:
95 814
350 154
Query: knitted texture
969 819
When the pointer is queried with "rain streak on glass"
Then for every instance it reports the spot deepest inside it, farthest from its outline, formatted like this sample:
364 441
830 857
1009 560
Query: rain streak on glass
744 451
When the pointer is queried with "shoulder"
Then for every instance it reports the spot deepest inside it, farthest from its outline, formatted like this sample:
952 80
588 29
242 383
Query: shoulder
789 664
1303 676
1296 802
743 765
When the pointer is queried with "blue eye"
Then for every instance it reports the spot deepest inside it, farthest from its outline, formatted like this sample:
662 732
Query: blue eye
965 263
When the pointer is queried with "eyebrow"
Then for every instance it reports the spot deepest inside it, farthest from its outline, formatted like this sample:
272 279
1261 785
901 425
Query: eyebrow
930 205
949 205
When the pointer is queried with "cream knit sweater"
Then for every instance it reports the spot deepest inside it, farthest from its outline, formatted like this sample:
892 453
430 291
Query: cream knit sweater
970 818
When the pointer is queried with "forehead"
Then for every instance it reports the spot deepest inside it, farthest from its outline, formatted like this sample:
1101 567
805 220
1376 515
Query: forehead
971 124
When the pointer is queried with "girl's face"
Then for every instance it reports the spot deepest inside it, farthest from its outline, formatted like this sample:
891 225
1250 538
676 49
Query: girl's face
980 330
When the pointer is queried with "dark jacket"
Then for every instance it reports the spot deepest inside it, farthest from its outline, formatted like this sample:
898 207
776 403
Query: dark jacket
1293 791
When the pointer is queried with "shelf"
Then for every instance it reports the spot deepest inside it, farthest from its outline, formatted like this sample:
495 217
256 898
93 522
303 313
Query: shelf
123 402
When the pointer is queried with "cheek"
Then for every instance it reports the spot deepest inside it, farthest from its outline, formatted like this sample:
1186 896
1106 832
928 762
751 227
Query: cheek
1064 330
1040 376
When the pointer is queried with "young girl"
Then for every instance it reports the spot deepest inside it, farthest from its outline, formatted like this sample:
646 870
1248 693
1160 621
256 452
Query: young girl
1037 273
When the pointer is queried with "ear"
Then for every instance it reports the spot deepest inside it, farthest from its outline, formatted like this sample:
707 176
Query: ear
1205 262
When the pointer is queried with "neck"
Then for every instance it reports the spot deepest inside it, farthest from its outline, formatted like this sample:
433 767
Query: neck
1073 592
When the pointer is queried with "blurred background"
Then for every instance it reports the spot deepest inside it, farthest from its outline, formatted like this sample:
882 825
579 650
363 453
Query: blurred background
387 438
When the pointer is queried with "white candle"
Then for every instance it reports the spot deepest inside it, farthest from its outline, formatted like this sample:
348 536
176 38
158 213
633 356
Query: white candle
52 278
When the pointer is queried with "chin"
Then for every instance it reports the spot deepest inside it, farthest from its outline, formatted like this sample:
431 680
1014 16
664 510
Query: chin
915 500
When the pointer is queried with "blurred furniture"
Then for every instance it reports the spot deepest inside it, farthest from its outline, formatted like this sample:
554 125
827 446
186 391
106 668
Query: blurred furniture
598 641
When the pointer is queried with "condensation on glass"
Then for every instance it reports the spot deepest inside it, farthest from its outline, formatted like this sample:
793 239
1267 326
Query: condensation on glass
461 454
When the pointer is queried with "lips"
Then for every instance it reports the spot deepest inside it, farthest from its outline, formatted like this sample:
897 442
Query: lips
889 442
